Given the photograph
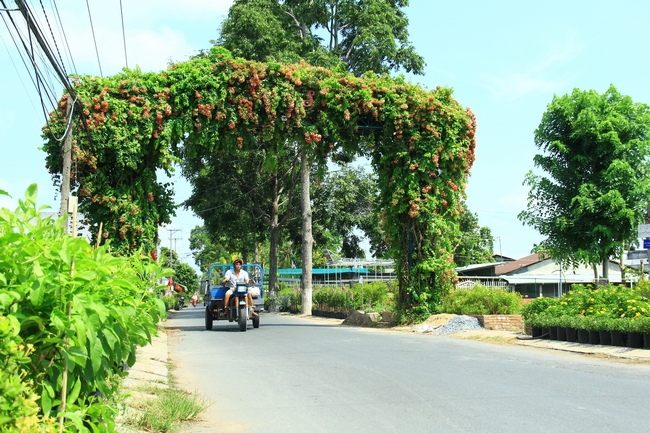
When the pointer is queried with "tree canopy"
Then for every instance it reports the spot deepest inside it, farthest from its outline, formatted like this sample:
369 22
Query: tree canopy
365 35
596 182
475 243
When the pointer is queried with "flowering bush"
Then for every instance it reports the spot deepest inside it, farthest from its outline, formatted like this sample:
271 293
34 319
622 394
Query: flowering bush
421 144
600 308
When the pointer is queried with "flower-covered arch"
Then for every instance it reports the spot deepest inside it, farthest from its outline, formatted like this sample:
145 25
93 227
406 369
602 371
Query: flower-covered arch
420 142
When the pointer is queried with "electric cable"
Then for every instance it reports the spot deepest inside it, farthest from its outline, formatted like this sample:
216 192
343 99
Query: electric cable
16 69
126 60
65 38
53 38
19 51
92 28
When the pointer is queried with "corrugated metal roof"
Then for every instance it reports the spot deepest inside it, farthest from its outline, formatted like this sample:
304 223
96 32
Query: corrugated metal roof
518 264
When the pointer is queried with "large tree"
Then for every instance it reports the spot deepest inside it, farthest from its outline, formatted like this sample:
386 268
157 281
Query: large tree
475 243
596 183
184 275
205 250
343 201
241 202
365 35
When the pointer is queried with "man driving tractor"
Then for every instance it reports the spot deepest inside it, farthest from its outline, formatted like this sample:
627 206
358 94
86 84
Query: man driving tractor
232 278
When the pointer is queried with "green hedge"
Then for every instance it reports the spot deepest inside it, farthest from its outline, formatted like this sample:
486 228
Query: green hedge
68 313
481 300
369 297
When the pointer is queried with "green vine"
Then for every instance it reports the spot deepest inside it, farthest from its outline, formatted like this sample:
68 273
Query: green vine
421 144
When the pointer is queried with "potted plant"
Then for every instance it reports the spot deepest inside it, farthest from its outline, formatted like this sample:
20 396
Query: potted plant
571 331
583 326
634 334
619 332
643 325
597 325
542 320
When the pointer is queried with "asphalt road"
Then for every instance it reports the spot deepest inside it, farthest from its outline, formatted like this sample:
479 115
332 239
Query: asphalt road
313 375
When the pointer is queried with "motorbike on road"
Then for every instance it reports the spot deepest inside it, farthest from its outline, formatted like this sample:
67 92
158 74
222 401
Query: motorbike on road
180 304
237 310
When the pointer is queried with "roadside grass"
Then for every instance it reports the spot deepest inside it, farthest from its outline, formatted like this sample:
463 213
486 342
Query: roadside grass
162 410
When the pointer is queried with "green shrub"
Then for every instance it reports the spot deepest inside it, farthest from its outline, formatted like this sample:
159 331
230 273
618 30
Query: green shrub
481 300
82 312
289 297
536 307
333 298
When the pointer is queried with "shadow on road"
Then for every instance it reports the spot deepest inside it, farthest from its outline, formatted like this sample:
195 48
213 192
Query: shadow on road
234 327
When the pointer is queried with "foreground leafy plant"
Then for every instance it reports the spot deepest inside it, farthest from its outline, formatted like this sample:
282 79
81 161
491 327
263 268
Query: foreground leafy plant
80 311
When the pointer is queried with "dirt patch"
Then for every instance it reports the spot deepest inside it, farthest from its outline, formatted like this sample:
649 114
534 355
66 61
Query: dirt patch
487 335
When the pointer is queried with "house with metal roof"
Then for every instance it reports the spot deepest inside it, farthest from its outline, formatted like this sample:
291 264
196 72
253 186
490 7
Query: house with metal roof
533 276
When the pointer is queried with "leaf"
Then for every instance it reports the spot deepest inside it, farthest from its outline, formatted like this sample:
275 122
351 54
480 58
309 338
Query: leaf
110 337
74 392
96 353
36 269
59 320
46 398
76 356
3 279
5 301
31 193
37 292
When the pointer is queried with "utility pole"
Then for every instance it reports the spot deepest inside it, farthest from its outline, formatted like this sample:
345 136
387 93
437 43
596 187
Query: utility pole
67 163
171 237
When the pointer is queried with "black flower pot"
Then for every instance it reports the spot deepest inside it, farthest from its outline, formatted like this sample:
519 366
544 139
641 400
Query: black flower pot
536 332
594 337
571 335
605 337
618 338
646 340
583 336
634 340
552 333
561 333
546 333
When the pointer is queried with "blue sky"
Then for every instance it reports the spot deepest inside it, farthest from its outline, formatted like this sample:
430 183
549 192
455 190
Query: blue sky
504 59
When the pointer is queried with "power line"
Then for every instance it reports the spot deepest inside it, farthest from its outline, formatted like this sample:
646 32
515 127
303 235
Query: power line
62 30
126 60
16 69
53 38
94 39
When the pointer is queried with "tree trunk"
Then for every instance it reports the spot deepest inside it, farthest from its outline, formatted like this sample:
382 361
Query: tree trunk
307 238
595 268
274 241
606 269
